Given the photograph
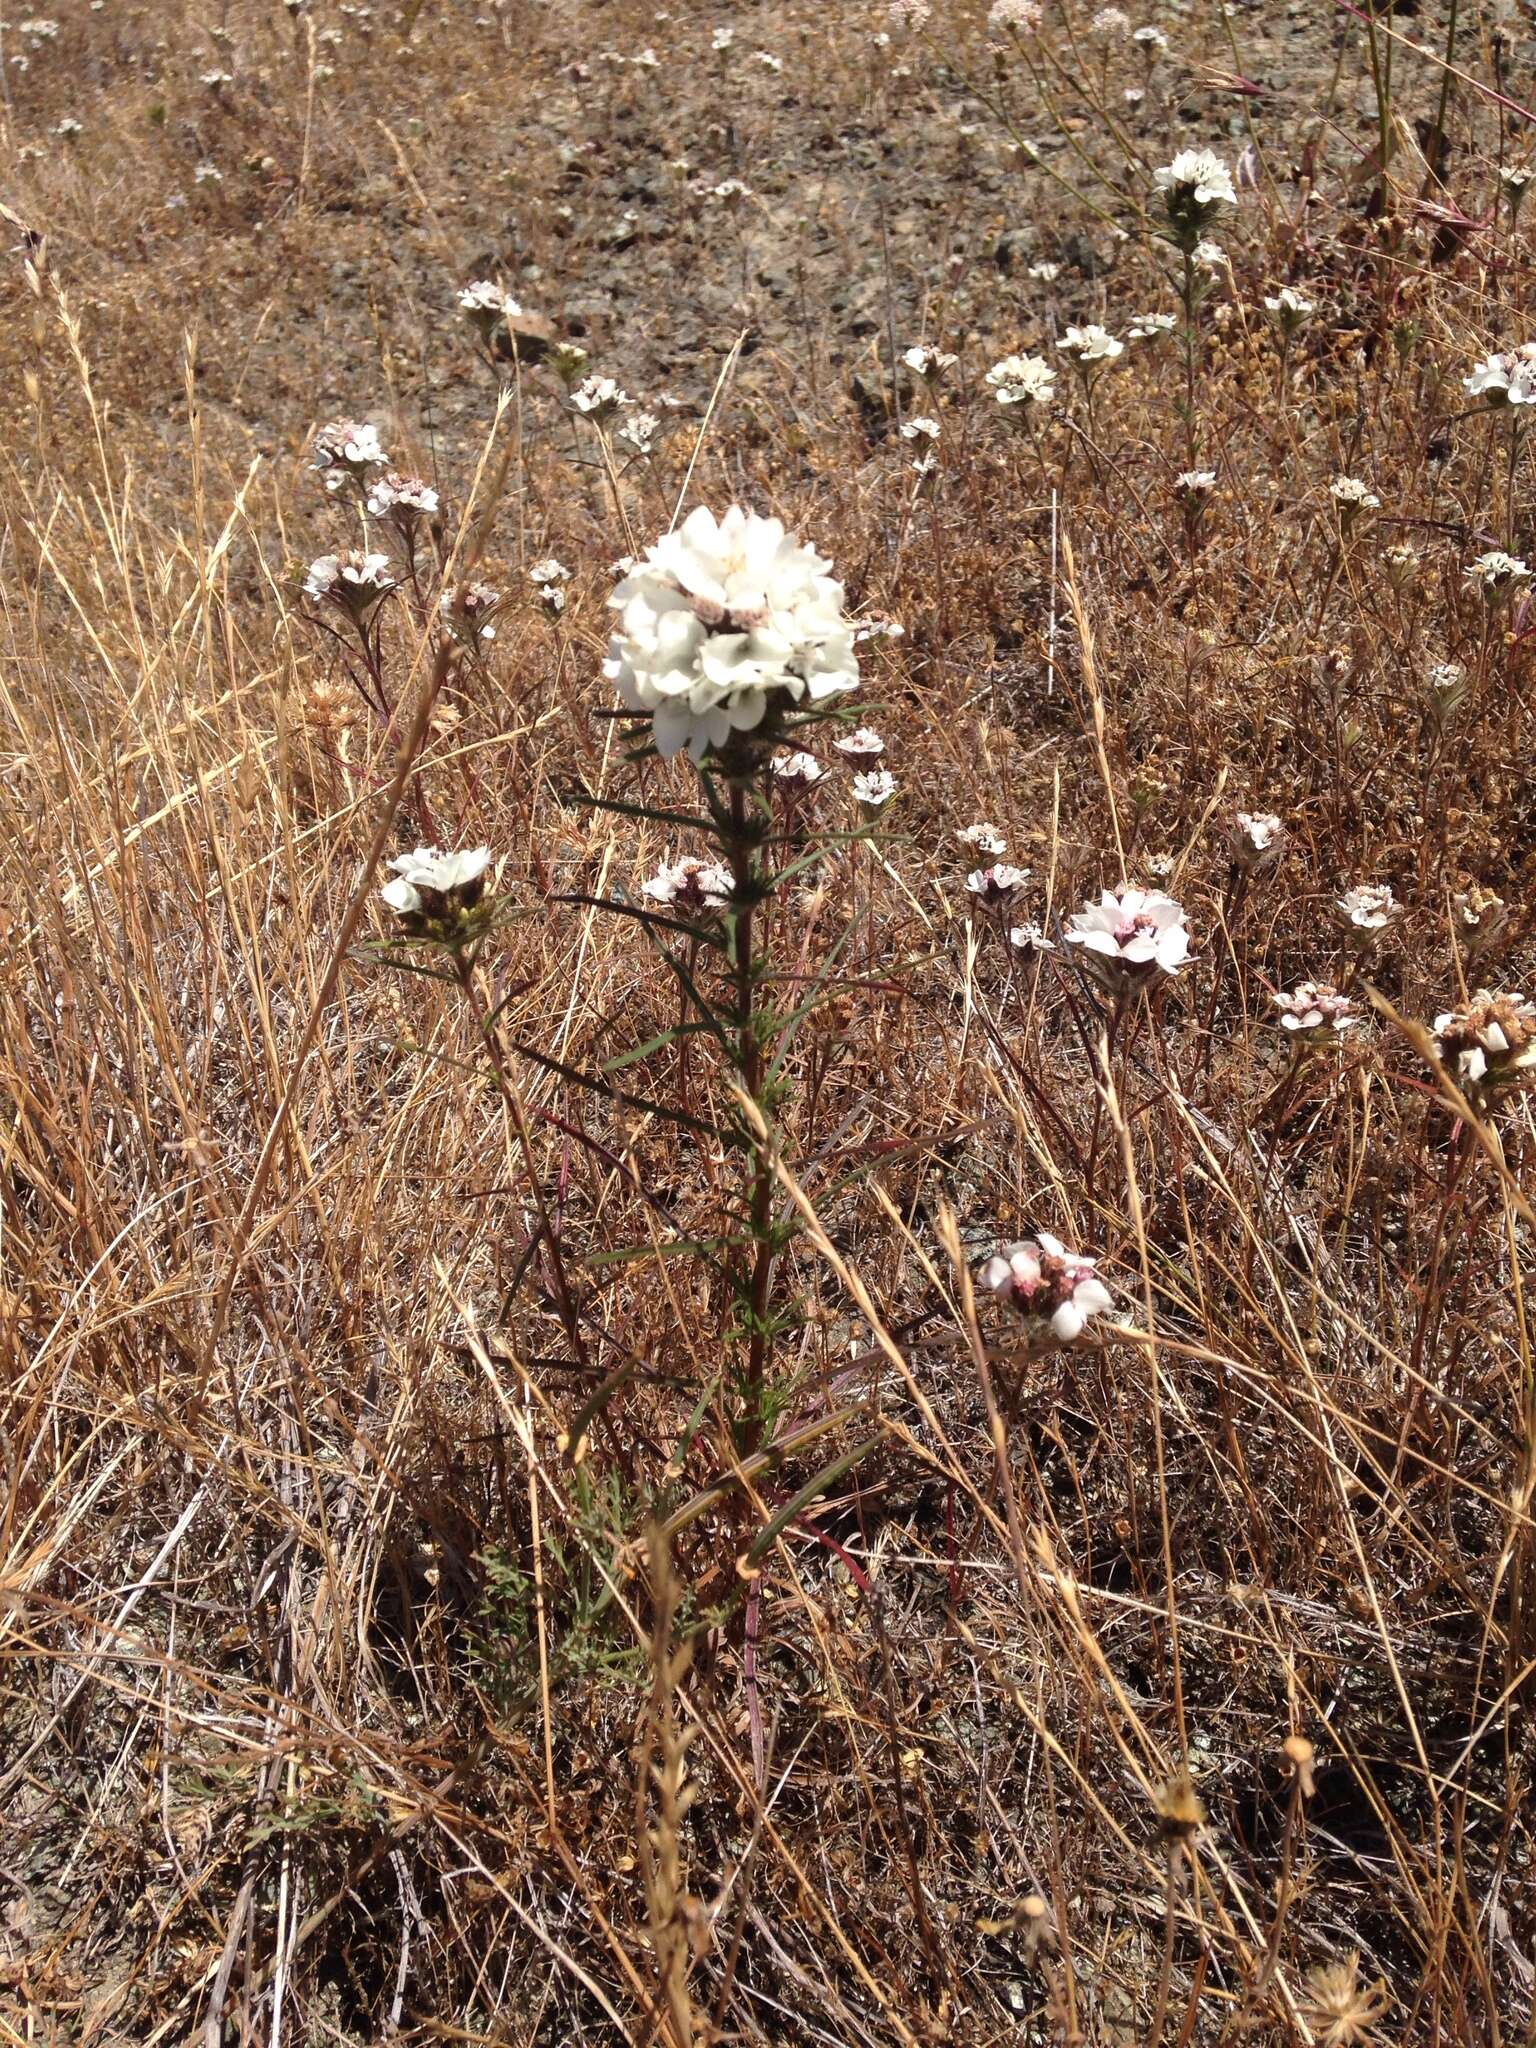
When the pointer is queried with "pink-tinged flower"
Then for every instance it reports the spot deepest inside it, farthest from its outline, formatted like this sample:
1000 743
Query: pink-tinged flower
1130 939
404 500
796 772
1365 911
862 748
345 451
995 887
872 792
470 613
691 886
1316 1013
1490 1044
1057 1293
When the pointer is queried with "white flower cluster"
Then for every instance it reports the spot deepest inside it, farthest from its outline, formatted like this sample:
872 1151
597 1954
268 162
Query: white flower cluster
691 885
1316 1012
1489 1044
724 626
427 881
1057 1292
1131 938
1022 380
1091 344
346 450
1508 378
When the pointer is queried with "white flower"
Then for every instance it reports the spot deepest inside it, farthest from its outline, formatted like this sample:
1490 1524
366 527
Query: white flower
691 885
550 570
722 38
920 428
429 881
598 397
640 431
346 450
727 623
354 580
927 362
1023 380
1151 326
1057 1292
402 498
207 174
729 190
68 127
1507 379
216 80
1368 908
875 789
1515 177
864 745
1195 483
996 886
984 839
1047 273
879 629
1316 1012
1030 940
1447 686
767 59
647 60
909 14
1497 574
1130 938
1401 563
1015 17
1489 1044
1211 256
1289 308
1110 22
1091 344
1350 495
1257 839
487 304
1198 177
796 771
1150 38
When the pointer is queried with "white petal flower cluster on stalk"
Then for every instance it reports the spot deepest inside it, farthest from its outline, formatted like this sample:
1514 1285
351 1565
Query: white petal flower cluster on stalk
1022 380
427 874
728 624
1507 378
1316 1012
1130 938
1489 1044
1201 174
1057 1292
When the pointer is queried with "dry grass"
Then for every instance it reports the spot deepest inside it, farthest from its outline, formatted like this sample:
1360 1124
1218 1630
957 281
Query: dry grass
1168 1691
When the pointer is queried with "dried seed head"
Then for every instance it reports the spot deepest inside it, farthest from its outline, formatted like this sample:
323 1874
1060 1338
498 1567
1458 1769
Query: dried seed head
1180 1816
1339 2009
1299 1754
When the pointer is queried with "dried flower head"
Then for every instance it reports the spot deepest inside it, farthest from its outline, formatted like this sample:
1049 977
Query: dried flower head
1352 498
1015 18
1109 24
1057 1293
1341 2012
1482 918
1448 682
1316 1013
1180 1816
1490 1044
725 627
1130 939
